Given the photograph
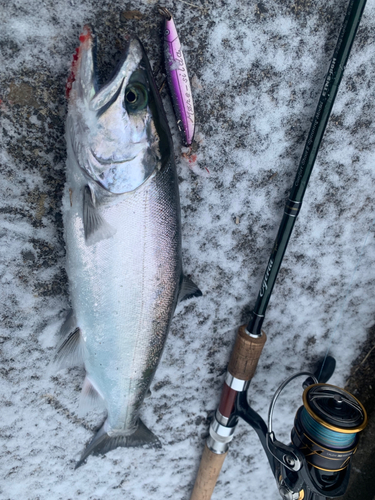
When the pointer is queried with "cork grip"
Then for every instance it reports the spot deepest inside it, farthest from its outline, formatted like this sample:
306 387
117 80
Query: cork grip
245 354
208 473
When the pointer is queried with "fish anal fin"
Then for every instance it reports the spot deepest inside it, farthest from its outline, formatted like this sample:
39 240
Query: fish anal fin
188 289
90 398
95 227
105 441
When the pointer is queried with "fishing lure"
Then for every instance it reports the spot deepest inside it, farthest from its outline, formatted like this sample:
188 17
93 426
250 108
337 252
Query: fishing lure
178 79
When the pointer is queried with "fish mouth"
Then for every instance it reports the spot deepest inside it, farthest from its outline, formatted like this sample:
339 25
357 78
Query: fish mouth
111 161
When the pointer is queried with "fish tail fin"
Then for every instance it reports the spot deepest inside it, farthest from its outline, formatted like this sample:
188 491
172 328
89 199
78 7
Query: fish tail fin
102 442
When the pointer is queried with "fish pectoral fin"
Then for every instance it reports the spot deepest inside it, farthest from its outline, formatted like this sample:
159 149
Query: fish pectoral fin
90 398
102 442
95 227
188 289
70 351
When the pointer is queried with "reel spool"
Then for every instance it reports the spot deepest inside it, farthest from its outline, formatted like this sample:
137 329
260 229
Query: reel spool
326 427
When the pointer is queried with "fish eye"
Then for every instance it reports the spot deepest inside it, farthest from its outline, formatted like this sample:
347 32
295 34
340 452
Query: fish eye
136 97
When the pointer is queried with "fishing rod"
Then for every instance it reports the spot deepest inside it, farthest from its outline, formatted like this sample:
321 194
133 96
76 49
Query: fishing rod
316 465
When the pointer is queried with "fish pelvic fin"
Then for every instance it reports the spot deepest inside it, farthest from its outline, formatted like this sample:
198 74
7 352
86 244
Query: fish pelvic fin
188 289
103 442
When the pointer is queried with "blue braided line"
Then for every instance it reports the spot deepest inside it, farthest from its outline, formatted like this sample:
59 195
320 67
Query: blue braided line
324 436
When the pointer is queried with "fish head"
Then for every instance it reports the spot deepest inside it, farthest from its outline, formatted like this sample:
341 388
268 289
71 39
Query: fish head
119 133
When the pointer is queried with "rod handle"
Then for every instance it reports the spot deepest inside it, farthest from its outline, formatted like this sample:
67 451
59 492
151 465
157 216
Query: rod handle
245 355
208 474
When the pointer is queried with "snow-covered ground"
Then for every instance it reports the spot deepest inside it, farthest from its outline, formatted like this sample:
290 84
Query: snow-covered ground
257 71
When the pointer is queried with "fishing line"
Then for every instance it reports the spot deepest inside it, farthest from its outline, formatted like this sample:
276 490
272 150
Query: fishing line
346 297
326 436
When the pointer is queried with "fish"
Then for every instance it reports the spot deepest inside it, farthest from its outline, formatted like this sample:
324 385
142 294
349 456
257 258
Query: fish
122 230
178 79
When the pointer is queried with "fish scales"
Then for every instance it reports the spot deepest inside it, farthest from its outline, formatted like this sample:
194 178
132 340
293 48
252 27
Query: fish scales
124 289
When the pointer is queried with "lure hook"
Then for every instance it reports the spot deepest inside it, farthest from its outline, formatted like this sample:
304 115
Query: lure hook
165 12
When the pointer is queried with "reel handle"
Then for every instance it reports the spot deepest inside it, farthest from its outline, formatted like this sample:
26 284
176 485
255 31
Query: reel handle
323 371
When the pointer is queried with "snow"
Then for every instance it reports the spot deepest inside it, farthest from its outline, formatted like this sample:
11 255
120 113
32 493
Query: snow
257 71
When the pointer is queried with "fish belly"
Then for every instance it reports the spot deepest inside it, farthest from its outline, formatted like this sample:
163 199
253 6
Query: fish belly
124 288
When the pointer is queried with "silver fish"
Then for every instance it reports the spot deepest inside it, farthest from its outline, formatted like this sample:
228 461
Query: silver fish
123 239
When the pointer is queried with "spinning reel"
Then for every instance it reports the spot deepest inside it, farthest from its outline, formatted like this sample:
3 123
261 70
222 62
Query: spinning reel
316 464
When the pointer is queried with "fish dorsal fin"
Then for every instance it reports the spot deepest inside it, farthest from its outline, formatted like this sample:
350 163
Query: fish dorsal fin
95 227
90 398
188 289
70 351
